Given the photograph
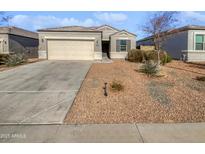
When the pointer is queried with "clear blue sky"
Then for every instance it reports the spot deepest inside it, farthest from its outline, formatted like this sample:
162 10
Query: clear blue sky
131 21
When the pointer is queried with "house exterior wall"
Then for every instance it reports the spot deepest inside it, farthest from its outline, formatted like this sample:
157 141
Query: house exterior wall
106 32
192 54
148 42
44 36
175 43
181 45
191 38
121 36
4 45
21 44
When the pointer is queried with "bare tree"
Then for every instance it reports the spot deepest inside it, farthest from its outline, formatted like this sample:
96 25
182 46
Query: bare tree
158 25
5 18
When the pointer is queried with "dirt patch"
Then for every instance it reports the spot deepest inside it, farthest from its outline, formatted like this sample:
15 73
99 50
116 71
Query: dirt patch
176 97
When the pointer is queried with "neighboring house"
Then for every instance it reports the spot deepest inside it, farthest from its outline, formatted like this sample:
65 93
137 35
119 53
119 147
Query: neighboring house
17 40
187 43
84 43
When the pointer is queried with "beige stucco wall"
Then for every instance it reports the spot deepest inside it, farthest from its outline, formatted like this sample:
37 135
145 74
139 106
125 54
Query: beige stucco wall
106 32
4 47
121 36
191 53
18 31
192 56
191 38
147 47
95 36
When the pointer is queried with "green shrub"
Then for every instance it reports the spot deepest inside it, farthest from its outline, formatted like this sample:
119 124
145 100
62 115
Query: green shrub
116 86
15 59
150 68
165 58
169 58
2 58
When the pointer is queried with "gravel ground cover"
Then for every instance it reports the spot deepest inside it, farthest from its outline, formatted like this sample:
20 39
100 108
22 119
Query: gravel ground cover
175 97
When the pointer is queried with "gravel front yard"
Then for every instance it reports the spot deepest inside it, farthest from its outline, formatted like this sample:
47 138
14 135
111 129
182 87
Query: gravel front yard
176 97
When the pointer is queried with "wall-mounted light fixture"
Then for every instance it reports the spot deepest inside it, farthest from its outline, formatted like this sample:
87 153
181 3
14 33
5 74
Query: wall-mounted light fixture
97 43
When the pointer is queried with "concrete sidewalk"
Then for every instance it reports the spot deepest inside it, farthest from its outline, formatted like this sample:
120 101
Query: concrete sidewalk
187 132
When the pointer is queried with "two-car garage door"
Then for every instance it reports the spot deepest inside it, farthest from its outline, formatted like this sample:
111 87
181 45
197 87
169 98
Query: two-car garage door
70 49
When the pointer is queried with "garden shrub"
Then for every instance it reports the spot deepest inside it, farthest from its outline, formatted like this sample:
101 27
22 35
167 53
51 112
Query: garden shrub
165 58
15 59
2 58
169 58
151 55
135 55
150 68
116 86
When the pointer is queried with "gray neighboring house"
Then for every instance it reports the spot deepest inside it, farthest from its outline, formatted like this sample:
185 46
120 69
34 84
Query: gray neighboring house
84 43
17 40
187 43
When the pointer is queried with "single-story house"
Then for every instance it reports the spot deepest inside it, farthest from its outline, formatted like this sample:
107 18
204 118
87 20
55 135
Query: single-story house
84 43
186 43
17 40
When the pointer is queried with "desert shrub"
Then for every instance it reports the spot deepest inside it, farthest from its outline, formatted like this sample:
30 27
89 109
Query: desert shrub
150 68
3 57
135 55
151 55
165 58
15 59
169 58
116 86
200 78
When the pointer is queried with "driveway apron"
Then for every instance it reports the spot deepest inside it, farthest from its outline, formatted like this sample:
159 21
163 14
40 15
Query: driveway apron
40 93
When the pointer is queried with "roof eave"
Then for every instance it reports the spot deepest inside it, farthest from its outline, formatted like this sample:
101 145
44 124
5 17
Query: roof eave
67 31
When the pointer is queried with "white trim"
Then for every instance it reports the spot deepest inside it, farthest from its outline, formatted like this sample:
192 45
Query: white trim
123 38
194 51
70 38
198 33
107 26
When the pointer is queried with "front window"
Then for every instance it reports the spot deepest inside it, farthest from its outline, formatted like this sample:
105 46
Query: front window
123 45
200 42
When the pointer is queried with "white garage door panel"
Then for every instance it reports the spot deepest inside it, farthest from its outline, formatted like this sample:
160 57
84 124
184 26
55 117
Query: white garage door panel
70 50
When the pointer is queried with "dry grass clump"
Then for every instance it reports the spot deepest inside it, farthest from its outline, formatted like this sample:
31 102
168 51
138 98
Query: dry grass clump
200 78
116 86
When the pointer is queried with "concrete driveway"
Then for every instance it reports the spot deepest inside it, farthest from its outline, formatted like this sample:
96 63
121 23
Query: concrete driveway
40 93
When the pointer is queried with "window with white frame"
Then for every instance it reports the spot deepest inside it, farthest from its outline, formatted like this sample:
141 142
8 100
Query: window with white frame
200 42
123 45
